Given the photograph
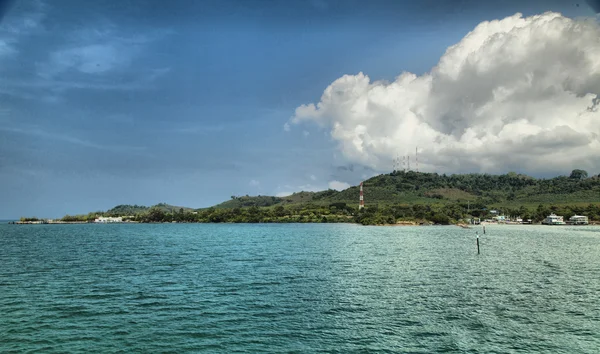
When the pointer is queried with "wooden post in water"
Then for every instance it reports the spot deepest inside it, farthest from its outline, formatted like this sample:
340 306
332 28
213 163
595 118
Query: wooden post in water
477 243
484 229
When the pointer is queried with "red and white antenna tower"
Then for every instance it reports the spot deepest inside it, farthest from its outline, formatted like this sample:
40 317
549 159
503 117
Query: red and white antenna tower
361 200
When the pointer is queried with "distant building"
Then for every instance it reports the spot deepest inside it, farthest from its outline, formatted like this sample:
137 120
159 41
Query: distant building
105 220
474 221
553 219
579 220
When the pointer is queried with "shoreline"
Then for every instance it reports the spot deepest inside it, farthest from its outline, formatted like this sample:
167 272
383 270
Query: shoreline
398 224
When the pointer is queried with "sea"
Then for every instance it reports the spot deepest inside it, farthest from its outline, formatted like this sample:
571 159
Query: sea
298 288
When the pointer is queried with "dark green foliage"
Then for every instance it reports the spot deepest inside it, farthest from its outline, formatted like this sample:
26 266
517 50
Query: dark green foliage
126 210
439 218
130 210
397 197
247 201
74 218
324 194
579 174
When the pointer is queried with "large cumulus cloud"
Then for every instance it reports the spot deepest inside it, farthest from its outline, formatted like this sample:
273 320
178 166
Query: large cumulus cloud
513 94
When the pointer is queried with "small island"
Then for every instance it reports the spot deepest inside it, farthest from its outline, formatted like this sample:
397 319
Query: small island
398 198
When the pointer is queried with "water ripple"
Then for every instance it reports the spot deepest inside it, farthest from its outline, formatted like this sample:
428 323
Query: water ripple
298 288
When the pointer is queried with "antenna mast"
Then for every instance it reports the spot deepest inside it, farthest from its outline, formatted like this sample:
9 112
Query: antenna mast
361 200
397 163
417 159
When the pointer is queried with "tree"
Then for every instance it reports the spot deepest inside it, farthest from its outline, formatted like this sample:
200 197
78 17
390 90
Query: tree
155 214
279 211
579 174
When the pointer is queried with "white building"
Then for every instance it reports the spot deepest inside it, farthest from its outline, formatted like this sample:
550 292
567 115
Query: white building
553 219
109 219
501 218
579 220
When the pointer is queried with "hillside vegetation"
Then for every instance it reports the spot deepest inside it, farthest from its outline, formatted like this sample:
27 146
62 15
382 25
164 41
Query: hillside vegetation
431 188
396 197
125 210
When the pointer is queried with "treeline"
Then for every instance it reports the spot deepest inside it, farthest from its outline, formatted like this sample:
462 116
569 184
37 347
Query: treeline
457 212
253 214
487 188
90 217
444 214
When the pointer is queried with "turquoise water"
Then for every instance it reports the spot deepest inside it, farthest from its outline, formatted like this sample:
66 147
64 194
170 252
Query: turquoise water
298 288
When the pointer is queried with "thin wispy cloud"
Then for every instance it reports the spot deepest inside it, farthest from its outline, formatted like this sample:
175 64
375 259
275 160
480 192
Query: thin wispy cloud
254 183
6 49
98 56
37 132
198 129
87 59
58 85
26 21
203 128
94 52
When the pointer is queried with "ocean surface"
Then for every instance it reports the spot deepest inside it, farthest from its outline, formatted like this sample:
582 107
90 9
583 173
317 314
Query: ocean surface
298 288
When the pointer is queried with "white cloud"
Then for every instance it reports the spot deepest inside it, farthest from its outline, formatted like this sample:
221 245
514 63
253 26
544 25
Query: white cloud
305 133
283 194
513 94
254 183
286 127
313 178
338 186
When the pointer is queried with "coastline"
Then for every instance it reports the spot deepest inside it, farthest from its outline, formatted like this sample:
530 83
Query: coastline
66 222
398 224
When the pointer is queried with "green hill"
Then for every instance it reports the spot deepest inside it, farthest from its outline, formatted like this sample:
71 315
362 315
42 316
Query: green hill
406 197
424 197
431 188
126 209
246 201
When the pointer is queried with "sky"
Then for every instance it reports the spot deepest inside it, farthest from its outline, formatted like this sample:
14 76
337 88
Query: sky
191 102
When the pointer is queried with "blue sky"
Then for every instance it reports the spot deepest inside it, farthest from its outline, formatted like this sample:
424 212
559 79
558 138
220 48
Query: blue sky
139 102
